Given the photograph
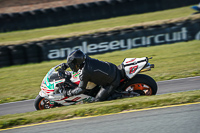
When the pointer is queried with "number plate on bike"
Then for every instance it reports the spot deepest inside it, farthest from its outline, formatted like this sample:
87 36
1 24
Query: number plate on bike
132 66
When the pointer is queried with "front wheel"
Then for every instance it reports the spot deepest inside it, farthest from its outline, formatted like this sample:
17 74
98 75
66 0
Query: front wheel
41 103
142 84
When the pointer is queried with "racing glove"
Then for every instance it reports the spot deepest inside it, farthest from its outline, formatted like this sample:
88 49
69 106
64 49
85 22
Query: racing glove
62 73
64 66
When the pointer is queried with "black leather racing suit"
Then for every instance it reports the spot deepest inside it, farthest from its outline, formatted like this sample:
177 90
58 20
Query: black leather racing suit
101 73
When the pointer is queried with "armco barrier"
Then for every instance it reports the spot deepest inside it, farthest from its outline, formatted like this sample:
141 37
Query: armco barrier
102 42
84 12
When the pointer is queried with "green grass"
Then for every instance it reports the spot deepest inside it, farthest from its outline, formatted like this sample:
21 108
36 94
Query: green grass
90 26
99 108
171 61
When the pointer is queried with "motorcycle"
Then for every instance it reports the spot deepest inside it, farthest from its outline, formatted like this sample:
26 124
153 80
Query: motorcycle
132 82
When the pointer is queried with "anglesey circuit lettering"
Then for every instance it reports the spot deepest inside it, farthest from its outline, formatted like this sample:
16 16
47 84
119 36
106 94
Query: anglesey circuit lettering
121 44
197 36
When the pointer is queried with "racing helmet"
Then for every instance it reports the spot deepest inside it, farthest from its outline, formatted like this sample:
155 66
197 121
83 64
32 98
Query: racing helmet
75 60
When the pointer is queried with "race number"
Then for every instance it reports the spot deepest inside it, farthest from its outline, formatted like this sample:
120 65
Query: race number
133 69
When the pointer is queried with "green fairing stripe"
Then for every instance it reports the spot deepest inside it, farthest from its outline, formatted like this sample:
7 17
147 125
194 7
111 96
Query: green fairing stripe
46 81
76 74
58 81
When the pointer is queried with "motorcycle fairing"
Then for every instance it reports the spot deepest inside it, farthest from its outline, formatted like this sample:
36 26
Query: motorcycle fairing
75 99
49 83
133 65
51 79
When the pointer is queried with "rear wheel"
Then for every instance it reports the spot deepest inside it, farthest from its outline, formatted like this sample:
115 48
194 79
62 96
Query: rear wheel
41 103
142 84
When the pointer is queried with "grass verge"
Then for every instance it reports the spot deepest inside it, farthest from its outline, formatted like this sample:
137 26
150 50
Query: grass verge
18 37
99 108
171 61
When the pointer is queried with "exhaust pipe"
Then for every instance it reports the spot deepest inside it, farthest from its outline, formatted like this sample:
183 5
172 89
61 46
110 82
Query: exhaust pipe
152 66
147 67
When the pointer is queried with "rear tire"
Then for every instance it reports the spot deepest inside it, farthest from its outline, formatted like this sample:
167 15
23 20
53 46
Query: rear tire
142 84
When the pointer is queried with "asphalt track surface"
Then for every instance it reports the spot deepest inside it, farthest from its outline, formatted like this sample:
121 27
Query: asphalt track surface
168 86
169 119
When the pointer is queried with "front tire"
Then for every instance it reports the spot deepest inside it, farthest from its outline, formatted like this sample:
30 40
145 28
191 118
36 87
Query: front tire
41 103
142 84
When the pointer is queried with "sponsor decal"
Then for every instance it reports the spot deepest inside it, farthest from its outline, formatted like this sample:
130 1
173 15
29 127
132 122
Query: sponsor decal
131 60
77 98
75 75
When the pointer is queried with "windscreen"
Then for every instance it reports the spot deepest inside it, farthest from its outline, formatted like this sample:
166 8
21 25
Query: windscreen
53 77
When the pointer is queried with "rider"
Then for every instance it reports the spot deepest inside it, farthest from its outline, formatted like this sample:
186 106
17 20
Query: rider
101 73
